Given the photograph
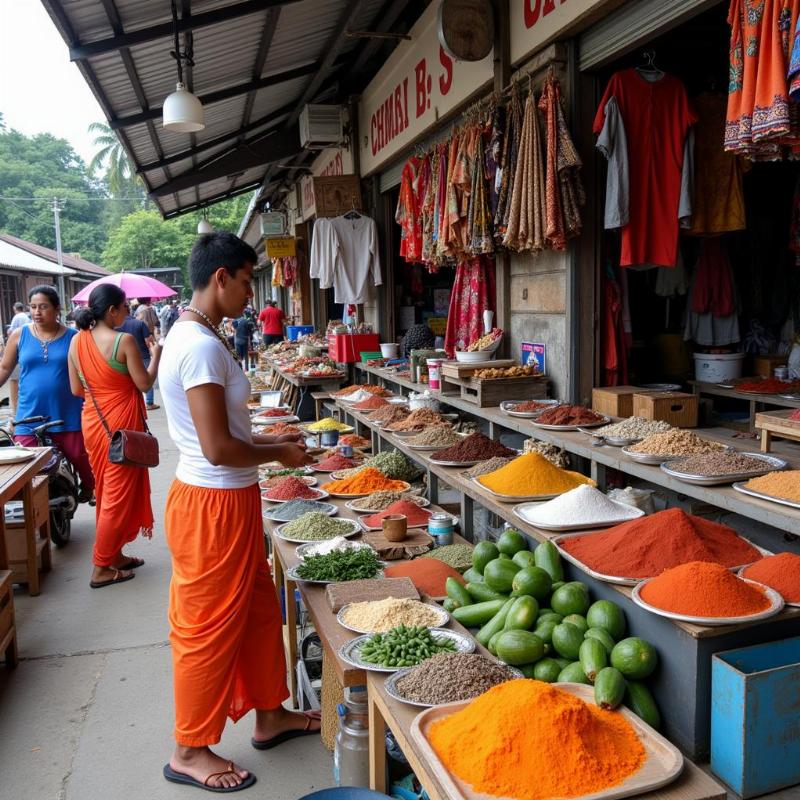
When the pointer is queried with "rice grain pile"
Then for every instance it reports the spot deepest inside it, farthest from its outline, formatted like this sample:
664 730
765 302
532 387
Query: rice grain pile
377 616
633 428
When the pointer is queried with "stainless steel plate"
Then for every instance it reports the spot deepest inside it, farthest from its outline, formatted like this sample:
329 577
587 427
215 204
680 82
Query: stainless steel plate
354 529
527 513
507 407
349 505
443 618
545 427
740 487
771 464
504 498
274 514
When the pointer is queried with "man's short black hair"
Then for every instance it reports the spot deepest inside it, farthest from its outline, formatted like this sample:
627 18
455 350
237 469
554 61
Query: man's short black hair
214 250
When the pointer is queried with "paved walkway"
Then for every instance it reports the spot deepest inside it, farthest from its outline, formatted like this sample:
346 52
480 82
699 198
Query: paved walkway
87 715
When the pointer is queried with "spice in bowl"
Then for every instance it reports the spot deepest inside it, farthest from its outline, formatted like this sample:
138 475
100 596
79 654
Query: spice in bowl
389 415
315 527
633 428
415 515
365 481
355 441
379 501
645 547
394 465
457 556
569 415
371 403
427 574
715 464
785 485
485 467
419 420
780 572
337 544
584 505
327 424
700 589
377 616
294 509
555 455
476 446
449 677
438 436
676 443
335 462
527 406
532 475
291 488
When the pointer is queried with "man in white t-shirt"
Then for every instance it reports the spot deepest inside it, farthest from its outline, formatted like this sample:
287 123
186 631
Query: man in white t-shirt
225 621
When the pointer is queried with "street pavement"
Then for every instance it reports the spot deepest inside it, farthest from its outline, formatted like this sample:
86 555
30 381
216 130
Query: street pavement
87 714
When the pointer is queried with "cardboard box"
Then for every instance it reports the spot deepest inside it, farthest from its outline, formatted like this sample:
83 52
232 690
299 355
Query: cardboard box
764 366
614 401
677 408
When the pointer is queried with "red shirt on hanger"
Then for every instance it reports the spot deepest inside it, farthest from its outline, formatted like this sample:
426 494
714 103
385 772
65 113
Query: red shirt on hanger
656 115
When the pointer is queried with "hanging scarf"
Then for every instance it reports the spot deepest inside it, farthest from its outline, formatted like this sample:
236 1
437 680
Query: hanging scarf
473 293
509 165
479 217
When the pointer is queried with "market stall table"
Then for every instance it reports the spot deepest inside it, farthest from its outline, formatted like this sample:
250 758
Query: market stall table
296 387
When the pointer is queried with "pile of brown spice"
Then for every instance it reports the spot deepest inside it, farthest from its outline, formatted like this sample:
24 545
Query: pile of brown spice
366 387
438 435
371 403
476 447
389 414
676 443
555 455
484 467
418 420
785 485
711 464
569 415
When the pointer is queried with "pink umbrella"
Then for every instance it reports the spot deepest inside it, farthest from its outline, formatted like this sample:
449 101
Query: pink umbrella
132 284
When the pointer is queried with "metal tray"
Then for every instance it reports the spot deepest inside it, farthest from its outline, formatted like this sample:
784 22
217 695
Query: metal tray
771 464
354 531
390 685
257 420
321 495
775 599
302 550
519 511
740 572
350 651
429 448
546 427
308 480
614 441
342 496
444 618
349 505
507 407
740 487
342 432
654 460
503 498
274 514
16 454
292 575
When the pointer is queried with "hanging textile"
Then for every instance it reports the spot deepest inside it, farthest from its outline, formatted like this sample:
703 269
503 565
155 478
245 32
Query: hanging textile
508 164
480 237
761 122
615 357
277 272
657 116
494 154
613 144
409 213
473 293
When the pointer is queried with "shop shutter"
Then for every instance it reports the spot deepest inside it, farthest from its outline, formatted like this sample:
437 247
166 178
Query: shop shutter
631 26
391 177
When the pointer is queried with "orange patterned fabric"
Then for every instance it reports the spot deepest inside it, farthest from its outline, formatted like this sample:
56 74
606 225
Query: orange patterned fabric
225 621
123 508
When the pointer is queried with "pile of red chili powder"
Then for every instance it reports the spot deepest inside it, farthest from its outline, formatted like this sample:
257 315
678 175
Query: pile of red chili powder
476 447
291 488
699 589
335 462
647 546
371 403
414 514
429 575
780 572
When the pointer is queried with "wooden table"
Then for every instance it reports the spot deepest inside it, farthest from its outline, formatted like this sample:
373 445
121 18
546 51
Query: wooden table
296 387
756 401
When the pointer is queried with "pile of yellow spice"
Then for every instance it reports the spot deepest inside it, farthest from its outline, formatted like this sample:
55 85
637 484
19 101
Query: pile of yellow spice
532 475
785 485
328 424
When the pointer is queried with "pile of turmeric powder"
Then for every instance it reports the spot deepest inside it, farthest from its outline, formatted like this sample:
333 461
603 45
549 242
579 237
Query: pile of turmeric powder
533 741
365 481
531 475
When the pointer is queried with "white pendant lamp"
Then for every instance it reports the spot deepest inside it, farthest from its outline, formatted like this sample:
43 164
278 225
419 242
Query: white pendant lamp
204 226
182 111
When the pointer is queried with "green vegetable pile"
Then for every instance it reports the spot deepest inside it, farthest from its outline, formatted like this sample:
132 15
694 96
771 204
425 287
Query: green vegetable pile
530 618
347 565
404 647
394 465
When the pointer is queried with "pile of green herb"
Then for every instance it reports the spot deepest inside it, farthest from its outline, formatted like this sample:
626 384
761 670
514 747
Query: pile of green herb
315 527
458 556
348 565
404 647
282 473
394 465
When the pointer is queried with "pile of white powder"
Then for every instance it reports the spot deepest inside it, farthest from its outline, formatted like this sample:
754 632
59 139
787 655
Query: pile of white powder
338 544
582 506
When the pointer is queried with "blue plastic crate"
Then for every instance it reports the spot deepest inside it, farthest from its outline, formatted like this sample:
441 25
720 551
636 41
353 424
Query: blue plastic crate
294 332
755 717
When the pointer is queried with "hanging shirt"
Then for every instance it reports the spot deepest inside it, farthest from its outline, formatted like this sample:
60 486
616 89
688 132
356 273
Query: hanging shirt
324 247
613 144
656 116
357 258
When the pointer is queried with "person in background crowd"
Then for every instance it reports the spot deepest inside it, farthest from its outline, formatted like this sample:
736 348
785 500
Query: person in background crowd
19 320
168 316
147 314
225 621
144 339
271 319
243 338
39 351
106 368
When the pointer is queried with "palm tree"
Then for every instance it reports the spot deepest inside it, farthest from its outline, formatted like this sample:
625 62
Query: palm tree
120 173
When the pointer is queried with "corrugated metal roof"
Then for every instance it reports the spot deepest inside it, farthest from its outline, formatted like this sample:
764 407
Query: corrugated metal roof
132 77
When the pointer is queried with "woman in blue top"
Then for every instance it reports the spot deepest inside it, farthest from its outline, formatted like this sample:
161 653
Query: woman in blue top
41 350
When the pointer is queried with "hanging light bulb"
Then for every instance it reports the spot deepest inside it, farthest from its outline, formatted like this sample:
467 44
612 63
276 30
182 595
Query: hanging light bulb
204 226
182 111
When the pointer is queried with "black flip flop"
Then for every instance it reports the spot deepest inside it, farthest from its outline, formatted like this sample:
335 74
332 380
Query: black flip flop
187 780
286 736
115 579
132 563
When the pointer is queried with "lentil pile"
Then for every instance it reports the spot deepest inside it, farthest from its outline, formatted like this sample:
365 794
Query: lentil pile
335 462
379 501
713 464
780 572
291 488
415 515
699 589
634 428
365 481
377 616
785 485
327 424
314 527
348 565
531 475
676 443
555 455
449 677
389 415
418 420
438 435
295 508
485 467
569 415
457 556
647 546
477 446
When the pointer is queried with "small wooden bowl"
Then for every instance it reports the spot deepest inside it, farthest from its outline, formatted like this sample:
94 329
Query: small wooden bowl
395 527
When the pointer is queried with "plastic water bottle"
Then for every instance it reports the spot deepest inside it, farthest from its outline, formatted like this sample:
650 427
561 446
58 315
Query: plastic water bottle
351 752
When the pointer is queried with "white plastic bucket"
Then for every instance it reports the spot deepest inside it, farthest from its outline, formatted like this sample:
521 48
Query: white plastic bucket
718 367
390 350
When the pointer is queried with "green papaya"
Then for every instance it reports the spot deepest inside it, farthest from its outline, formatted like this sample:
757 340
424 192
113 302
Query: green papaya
593 657
544 630
639 700
578 621
547 557
533 581
557 584
499 574
571 598
524 558
547 670
456 591
609 688
495 624
511 541
450 605
601 635
492 646
608 616
634 658
522 614
473 576
527 670
519 647
550 616
482 554
567 640
573 674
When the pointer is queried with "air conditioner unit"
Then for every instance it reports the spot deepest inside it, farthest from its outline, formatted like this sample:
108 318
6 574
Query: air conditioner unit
321 126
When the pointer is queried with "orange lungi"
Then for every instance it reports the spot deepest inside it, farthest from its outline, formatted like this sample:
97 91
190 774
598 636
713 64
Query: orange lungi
225 621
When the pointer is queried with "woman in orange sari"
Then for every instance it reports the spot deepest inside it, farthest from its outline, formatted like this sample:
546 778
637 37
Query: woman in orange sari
106 367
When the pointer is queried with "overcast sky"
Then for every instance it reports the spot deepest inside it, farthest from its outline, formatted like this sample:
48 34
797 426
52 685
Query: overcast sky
40 90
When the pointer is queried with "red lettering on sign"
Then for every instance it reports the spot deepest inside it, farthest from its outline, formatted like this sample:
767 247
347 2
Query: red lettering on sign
398 109
391 117
388 119
381 140
446 79
373 134
532 10
549 6
405 103
421 72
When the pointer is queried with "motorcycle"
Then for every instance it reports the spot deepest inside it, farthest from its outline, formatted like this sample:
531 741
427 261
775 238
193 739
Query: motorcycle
61 476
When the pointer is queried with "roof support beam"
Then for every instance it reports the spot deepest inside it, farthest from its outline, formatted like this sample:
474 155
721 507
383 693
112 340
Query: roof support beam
222 94
165 29
267 35
389 15
213 199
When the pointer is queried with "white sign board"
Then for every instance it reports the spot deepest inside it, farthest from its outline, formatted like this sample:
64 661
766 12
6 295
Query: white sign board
417 85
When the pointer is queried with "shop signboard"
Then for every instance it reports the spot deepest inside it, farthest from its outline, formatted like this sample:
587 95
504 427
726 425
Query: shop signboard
417 86
533 353
281 246
308 201
273 223
535 23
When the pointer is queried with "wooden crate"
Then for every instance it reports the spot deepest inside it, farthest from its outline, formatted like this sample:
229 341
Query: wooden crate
614 401
8 629
485 392
677 408
776 423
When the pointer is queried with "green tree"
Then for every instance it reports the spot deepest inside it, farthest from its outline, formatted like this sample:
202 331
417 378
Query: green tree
145 240
112 158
